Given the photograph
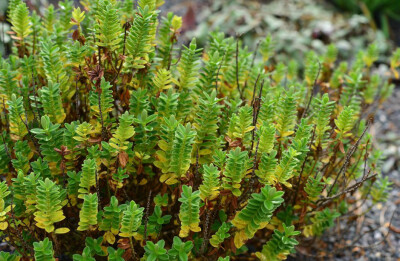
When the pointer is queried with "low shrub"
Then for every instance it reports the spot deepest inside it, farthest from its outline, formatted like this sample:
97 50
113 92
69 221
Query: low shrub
117 144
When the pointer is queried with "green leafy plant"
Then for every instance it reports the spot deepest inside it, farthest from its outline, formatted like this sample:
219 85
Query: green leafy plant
256 214
281 244
49 204
118 144
189 211
156 251
220 235
44 250
180 250
131 220
88 213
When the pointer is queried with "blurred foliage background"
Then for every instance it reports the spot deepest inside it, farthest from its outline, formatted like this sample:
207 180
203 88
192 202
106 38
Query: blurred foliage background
295 25
382 13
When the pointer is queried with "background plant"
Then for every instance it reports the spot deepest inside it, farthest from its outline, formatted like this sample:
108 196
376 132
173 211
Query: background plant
379 12
296 26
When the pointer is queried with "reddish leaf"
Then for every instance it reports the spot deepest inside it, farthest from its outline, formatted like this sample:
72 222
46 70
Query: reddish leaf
123 158
234 203
75 35
140 169
341 148
123 243
94 140
124 96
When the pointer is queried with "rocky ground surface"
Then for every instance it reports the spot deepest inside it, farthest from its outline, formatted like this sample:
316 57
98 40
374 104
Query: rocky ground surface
386 131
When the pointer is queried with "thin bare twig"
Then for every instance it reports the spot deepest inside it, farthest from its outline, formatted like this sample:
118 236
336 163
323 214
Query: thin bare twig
103 131
205 233
26 246
348 157
312 92
252 63
197 179
250 186
256 111
219 69
97 189
126 27
30 135
255 88
146 216
303 166
348 190
237 68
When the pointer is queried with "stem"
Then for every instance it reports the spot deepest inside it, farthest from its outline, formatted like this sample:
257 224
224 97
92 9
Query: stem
56 244
30 135
133 249
219 68
250 186
197 179
302 167
30 248
97 190
170 54
252 65
76 96
103 133
34 43
256 111
146 217
312 92
348 157
237 69
123 53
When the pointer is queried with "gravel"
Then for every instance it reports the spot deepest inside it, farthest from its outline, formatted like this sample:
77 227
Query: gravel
378 233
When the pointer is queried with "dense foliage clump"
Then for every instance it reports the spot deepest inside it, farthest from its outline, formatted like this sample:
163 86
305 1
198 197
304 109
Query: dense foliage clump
117 144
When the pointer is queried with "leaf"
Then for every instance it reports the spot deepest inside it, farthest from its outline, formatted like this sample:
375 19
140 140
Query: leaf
62 230
3 225
123 158
109 237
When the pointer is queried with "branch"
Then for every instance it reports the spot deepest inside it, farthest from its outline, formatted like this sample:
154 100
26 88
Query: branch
303 166
252 64
146 217
126 27
312 92
348 190
30 135
216 78
256 111
237 68
348 157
